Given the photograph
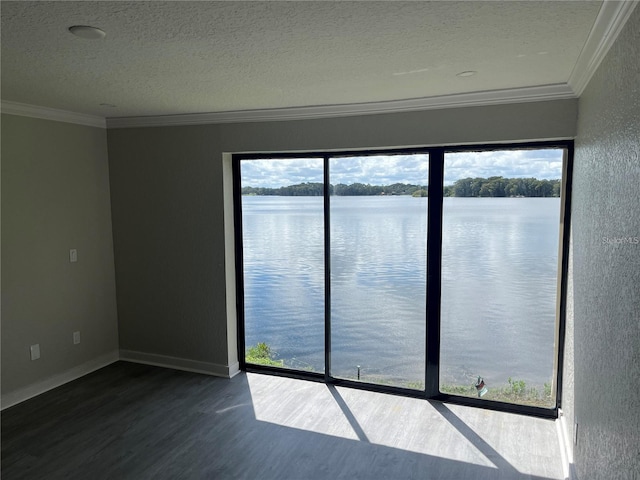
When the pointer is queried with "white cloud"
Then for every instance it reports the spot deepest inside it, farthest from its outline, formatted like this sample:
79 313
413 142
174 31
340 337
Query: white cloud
281 172
541 164
380 170
388 169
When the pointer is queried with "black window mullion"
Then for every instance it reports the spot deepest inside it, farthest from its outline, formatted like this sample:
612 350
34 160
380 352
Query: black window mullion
327 273
434 264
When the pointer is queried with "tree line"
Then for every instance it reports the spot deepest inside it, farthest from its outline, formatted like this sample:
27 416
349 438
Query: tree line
465 187
503 187
317 189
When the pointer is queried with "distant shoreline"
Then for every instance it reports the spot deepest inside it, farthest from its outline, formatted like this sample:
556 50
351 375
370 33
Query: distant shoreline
498 187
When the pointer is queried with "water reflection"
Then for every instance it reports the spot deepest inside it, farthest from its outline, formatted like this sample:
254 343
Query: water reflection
498 285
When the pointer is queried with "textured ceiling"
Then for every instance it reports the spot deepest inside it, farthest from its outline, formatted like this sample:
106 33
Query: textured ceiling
162 58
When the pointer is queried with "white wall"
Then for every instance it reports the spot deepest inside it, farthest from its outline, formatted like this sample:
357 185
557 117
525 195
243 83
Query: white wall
55 196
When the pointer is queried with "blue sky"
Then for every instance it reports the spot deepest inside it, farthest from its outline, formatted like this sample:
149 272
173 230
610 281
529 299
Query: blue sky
385 170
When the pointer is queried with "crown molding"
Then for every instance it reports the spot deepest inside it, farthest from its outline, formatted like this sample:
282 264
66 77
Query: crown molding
46 113
493 97
608 24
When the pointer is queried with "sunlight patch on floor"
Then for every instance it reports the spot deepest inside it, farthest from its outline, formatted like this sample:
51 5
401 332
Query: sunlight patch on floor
387 420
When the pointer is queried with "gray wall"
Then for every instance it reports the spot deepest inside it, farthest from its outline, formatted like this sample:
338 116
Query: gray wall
55 196
605 277
169 188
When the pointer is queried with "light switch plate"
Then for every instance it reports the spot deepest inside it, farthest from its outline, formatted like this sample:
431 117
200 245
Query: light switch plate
76 338
73 255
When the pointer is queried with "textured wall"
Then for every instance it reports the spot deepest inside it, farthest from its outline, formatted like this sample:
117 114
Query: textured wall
606 277
167 188
55 196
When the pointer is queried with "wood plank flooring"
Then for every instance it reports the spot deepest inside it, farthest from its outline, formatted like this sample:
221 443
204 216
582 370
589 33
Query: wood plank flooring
130 421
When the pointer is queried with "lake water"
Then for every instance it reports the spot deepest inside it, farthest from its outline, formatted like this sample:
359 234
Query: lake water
499 274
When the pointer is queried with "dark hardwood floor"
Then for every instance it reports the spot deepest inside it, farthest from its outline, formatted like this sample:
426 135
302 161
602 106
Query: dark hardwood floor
130 421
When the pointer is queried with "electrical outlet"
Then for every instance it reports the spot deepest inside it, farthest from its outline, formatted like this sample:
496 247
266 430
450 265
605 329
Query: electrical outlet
35 351
76 338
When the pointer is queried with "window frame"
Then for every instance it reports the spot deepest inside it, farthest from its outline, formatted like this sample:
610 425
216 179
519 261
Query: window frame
434 269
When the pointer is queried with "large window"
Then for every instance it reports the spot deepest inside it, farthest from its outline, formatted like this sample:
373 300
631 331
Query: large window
435 272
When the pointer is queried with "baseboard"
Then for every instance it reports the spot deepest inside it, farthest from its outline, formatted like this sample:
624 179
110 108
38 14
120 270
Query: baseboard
12 398
226 371
17 396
